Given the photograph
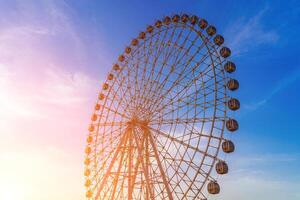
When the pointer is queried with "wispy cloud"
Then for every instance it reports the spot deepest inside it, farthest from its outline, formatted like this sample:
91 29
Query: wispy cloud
65 88
268 158
248 186
23 93
282 84
39 27
24 47
247 33
257 177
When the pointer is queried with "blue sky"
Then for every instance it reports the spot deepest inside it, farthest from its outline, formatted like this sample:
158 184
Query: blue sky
74 43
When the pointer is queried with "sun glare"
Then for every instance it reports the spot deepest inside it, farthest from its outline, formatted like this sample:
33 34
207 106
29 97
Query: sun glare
11 192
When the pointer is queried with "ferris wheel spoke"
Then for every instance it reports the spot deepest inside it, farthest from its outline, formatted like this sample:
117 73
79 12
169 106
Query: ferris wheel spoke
181 142
169 51
109 129
131 65
127 96
127 104
129 75
115 112
103 181
137 80
158 47
192 56
176 62
122 100
173 162
141 160
177 99
165 56
129 85
142 76
191 129
175 166
185 121
162 173
181 93
116 179
174 72
107 140
153 65
104 162
205 56
160 87
176 82
111 123
194 106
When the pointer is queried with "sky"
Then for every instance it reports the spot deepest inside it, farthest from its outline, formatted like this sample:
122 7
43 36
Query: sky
54 55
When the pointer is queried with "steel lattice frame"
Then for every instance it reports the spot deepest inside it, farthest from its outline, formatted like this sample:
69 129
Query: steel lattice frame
160 117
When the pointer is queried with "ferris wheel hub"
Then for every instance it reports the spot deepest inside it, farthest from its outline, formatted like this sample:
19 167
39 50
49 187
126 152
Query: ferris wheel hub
134 122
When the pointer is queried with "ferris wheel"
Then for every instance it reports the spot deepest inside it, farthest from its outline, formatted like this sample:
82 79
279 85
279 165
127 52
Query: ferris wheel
158 126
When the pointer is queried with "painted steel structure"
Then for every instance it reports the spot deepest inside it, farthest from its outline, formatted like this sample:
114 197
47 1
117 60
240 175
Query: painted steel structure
158 124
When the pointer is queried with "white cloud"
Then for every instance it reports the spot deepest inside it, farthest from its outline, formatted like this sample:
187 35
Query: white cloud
11 103
250 186
35 29
257 163
49 87
64 88
246 34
